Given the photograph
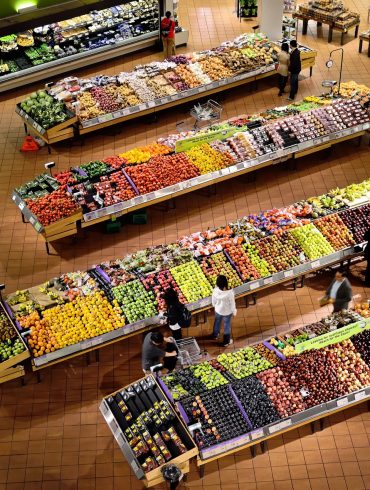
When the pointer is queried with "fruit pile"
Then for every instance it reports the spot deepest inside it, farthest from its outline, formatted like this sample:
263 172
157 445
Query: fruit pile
280 253
312 241
84 318
136 156
52 207
10 344
172 169
206 159
267 353
192 281
362 309
159 283
255 401
335 231
243 362
218 414
136 302
183 383
216 265
338 367
241 262
361 342
260 264
114 189
285 399
210 377
357 221
144 179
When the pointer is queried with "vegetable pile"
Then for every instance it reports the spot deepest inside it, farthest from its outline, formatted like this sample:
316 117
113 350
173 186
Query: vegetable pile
44 109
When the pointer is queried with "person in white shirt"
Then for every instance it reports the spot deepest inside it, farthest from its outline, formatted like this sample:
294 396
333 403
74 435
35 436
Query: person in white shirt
223 301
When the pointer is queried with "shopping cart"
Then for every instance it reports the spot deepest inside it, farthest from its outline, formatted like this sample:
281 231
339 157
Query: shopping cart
189 352
206 114
202 115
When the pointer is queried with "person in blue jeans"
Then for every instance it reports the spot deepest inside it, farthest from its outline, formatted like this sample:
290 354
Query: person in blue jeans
223 301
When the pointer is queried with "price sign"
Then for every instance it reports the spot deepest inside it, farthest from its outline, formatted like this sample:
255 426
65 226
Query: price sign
225 171
151 103
186 185
38 227
268 280
150 196
288 273
255 285
366 125
282 425
21 205
343 402
142 107
332 328
257 434
360 396
315 264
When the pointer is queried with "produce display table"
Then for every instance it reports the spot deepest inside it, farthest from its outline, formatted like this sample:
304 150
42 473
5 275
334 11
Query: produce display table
55 134
253 57
196 398
331 25
364 37
109 278
69 226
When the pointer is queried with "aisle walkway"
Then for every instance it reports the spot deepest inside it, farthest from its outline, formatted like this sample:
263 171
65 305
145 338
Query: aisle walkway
51 434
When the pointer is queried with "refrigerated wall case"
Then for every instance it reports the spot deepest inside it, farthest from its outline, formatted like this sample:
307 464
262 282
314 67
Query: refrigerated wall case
65 45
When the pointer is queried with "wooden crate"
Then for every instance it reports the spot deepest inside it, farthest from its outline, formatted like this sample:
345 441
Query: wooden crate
12 373
13 361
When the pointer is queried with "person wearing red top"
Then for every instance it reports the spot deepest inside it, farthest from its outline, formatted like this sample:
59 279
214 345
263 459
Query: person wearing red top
168 35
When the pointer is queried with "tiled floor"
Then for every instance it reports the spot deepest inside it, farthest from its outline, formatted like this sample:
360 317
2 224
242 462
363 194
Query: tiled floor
51 434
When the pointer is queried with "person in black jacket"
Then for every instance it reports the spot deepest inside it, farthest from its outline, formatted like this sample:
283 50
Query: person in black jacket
367 257
174 312
294 68
339 292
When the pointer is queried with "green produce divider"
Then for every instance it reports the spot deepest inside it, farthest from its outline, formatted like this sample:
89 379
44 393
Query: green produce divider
188 143
333 337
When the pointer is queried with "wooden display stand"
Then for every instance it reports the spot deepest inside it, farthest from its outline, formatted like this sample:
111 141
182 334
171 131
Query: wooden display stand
72 127
364 38
155 476
10 369
70 226
62 228
295 276
264 440
330 24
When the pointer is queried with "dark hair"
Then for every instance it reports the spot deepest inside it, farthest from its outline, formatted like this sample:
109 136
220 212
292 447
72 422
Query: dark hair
285 47
168 14
342 272
170 296
157 337
293 43
221 282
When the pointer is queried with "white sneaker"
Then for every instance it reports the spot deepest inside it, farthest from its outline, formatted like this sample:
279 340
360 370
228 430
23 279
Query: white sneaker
228 343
